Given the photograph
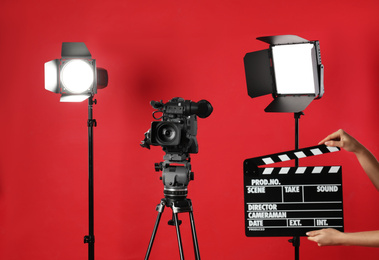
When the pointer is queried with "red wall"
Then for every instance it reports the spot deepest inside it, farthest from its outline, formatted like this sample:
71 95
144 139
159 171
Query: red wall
159 50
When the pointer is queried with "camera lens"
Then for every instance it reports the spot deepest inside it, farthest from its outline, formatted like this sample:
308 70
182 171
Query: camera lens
167 134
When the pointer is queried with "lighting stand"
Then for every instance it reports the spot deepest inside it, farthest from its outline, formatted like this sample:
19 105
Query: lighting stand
90 239
296 240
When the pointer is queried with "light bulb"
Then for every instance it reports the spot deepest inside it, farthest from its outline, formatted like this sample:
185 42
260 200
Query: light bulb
77 76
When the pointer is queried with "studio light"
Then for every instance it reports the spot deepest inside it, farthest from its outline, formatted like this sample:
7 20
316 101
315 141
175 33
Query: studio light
74 76
290 70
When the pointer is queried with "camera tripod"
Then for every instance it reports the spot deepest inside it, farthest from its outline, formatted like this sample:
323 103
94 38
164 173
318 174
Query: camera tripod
175 179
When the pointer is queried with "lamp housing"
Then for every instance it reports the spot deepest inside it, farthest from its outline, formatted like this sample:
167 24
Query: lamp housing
75 75
290 70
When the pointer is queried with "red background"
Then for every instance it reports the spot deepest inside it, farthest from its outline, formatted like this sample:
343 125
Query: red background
159 50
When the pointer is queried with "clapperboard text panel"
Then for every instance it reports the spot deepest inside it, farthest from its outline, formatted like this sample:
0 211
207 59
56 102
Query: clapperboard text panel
290 201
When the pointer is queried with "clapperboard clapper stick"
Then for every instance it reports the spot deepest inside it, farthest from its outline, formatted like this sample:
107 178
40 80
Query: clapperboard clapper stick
289 201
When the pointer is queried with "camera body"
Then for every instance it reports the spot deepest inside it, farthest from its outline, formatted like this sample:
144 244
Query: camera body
176 135
177 130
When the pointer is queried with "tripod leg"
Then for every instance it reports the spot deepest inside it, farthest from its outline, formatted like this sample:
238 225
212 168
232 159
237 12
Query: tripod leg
194 236
175 216
160 209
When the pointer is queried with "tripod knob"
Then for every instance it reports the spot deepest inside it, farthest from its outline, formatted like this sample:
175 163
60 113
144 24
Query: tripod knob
158 167
192 176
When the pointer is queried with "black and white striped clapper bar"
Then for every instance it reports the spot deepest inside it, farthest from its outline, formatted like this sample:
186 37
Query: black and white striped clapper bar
289 201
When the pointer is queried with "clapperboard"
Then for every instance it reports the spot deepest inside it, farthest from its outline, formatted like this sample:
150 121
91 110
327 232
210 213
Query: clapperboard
290 201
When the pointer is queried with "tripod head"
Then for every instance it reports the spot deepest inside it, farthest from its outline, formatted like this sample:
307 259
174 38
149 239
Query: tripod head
176 175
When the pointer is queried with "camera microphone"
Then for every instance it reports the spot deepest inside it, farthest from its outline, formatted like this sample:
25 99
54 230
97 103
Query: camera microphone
156 104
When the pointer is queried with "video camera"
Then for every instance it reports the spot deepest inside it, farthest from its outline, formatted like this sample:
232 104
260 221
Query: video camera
176 132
